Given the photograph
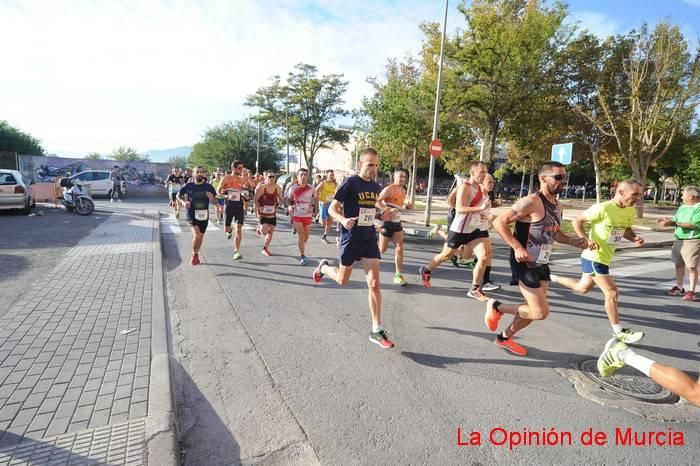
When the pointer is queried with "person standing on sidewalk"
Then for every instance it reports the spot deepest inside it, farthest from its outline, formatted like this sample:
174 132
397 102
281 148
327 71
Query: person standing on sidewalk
195 197
358 197
325 192
686 247
611 222
394 196
537 219
116 184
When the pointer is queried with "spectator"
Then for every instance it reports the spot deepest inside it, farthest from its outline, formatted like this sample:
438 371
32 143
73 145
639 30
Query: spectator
116 184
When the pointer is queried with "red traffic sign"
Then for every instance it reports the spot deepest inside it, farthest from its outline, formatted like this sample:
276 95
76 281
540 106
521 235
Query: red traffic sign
436 148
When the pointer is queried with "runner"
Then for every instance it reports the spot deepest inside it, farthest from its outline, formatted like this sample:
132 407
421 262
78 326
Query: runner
358 197
394 196
220 199
174 183
537 225
324 192
302 200
195 197
486 220
287 193
267 197
233 186
464 231
616 355
611 221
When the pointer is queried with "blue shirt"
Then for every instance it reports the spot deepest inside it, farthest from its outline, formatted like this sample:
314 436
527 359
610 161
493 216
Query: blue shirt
197 195
356 193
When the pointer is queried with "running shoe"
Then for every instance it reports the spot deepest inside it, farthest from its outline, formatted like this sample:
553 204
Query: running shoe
425 276
177 214
381 339
511 346
195 259
399 280
477 294
453 259
229 234
303 260
324 239
628 336
610 361
470 264
689 296
266 252
237 256
675 291
492 315
488 286
318 275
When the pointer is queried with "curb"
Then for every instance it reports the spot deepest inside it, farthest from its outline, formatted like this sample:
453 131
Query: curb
161 429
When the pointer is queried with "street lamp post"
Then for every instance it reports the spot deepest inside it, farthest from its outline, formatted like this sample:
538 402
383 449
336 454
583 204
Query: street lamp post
286 125
257 158
431 172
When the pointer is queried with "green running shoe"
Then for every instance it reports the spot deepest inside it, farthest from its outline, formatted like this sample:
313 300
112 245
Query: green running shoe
453 259
399 280
628 336
610 361
237 256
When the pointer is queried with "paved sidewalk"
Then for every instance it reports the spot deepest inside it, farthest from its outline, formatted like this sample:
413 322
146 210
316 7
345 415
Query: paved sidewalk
76 354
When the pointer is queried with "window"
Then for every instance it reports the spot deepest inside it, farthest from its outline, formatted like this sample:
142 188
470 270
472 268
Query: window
7 178
99 176
87 176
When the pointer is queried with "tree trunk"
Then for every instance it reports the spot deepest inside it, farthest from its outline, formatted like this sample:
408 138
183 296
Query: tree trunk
596 168
656 191
640 204
522 185
412 183
493 133
532 181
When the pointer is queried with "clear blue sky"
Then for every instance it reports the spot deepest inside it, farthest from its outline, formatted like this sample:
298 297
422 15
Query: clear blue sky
89 76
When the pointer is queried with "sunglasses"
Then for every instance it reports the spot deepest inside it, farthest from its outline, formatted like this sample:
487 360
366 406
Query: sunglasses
558 177
270 176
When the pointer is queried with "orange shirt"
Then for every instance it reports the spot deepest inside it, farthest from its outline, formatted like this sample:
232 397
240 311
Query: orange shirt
396 196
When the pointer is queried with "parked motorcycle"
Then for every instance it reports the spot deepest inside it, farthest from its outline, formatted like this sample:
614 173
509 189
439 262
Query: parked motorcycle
75 196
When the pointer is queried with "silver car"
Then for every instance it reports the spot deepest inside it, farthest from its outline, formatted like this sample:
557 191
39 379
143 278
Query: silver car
15 192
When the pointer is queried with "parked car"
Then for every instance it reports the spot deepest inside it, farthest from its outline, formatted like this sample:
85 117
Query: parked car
97 182
15 192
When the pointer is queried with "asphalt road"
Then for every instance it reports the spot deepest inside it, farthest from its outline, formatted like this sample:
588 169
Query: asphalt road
273 369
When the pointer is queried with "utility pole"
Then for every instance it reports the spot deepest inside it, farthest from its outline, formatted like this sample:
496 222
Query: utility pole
286 125
431 172
257 159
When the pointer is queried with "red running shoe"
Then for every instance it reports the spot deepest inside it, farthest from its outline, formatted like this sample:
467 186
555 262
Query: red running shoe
511 346
195 259
492 315
266 252
381 339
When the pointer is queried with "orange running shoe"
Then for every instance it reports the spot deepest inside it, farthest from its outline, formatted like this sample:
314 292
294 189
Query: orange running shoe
492 315
511 346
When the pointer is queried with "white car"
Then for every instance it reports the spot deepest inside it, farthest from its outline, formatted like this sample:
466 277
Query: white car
14 191
97 182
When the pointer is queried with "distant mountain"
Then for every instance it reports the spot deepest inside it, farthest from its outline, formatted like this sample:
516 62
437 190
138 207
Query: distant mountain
162 155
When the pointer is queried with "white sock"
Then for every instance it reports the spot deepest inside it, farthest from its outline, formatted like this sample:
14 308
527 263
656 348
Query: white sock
633 359
553 277
324 267
376 328
616 328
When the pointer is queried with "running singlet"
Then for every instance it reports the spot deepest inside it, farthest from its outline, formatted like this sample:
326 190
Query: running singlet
538 237
232 188
467 223
608 225
325 194
215 183
359 197
303 197
395 197
267 203
199 201
175 183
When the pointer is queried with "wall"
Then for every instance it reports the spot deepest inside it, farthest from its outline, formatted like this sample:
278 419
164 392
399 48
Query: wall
142 177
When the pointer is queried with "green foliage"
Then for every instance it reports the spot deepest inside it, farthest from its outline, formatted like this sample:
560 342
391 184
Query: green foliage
308 104
178 161
128 154
93 156
16 140
231 141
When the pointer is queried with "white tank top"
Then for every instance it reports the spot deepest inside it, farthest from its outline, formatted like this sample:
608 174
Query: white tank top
467 223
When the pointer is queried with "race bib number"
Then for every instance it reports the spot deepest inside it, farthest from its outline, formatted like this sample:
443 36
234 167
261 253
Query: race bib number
616 237
268 209
545 254
201 214
234 196
329 198
397 216
366 217
301 209
175 186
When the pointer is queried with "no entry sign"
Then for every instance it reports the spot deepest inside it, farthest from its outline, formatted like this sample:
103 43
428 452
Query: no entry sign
436 148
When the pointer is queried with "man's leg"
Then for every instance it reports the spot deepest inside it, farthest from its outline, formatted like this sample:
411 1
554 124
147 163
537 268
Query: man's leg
301 241
537 308
482 251
609 288
680 275
397 239
267 231
383 243
307 232
582 285
197 237
228 218
693 278
374 295
341 275
438 259
239 236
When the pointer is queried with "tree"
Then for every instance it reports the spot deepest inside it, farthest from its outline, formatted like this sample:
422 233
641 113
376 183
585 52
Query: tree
650 89
15 140
128 154
179 161
93 156
310 104
231 141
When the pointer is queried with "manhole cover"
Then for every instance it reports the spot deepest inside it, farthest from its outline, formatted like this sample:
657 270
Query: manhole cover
629 382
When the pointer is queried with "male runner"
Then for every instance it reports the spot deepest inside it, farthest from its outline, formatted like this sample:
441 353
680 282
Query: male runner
394 196
302 199
611 221
464 230
233 187
537 225
616 354
174 183
195 197
268 196
358 197
220 199
325 192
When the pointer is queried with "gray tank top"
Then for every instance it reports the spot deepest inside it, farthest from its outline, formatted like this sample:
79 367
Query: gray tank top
537 234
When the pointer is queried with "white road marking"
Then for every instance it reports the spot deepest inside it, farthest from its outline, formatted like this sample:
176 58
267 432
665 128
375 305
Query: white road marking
170 226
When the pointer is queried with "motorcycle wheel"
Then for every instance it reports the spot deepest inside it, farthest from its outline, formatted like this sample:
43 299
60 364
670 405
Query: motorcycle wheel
84 206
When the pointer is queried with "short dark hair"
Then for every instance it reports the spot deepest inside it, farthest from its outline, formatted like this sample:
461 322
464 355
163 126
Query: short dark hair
547 166
475 163
236 163
302 170
370 151
401 169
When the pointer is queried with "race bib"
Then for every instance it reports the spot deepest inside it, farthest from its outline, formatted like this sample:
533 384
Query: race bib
616 237
397 216
545 254
301 209
366 217
175 186
268 209
474 221
329 198
201 214
234 196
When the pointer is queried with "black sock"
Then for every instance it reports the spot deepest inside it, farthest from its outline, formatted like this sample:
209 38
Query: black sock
497 303
475 286
501 337
487 274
